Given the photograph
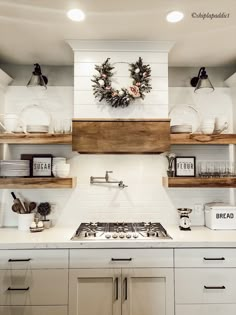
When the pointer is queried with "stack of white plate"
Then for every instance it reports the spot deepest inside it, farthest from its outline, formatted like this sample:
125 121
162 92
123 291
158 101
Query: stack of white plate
181 129
37 128
14 168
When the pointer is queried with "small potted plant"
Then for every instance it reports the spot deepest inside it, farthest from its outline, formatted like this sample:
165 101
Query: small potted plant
44 209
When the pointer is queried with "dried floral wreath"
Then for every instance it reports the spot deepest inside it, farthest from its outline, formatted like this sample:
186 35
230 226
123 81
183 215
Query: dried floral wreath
102 87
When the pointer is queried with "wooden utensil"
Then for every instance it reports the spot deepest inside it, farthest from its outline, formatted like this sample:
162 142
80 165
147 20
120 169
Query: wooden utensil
18 201
32 206
16 208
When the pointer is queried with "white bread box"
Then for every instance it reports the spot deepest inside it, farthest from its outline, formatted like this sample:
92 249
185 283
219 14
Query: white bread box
220 216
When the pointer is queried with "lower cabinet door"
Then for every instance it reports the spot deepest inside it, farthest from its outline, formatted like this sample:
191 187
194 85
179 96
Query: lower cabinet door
95 292
206 309
33 310
34 287
148 291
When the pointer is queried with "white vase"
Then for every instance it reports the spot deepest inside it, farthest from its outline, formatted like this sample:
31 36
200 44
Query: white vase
24 221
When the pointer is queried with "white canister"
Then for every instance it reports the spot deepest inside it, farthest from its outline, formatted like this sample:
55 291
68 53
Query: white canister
24 221
220 216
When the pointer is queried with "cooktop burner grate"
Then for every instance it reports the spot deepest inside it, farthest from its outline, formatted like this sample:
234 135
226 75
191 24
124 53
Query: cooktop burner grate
120 231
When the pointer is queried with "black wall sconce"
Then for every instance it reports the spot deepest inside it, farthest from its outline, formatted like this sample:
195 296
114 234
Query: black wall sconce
202 82
37 79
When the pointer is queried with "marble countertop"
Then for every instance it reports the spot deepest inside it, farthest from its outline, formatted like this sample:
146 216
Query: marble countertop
59 237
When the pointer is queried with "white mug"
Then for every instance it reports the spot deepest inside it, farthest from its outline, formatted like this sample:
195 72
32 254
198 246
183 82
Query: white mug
208 126
11 122
221 124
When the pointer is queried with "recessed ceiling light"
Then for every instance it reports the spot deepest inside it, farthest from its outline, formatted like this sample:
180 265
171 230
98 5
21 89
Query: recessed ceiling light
76 15
174 16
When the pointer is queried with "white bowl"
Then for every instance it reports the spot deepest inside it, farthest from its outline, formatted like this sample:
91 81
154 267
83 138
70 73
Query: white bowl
62 174
61 170
207 130
62 167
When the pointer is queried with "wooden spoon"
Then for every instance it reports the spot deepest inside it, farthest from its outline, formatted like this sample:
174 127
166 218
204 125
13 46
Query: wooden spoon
16 208
32 206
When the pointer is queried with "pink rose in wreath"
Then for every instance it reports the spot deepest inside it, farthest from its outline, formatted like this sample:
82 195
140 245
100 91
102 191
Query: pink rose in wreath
134 91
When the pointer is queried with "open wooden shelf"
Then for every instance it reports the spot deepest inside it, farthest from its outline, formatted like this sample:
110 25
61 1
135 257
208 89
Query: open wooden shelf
37 182
193 182
35 138
186 138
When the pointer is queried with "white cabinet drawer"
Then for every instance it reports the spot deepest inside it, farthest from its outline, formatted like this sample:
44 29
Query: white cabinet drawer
205 257
34 287
33 310
205 285
120 258
206 309
34 259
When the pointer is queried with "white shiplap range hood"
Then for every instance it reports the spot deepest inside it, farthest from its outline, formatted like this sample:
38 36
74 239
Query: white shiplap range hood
89 53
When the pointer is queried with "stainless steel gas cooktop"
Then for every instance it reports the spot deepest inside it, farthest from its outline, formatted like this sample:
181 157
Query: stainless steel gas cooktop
120 231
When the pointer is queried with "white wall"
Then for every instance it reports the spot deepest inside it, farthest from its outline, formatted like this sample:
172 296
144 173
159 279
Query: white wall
144 198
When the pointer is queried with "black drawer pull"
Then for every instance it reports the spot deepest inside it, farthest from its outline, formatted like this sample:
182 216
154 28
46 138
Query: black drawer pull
214 288
18 289
121 259
219 258
19 260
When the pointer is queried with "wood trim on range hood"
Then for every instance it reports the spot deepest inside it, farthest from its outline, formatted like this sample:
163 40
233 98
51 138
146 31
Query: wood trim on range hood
121 136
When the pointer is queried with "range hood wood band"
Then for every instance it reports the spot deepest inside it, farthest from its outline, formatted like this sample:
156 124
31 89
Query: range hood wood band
122 136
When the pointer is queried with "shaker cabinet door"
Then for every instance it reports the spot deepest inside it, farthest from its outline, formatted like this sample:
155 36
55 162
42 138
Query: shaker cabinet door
95 292
147 291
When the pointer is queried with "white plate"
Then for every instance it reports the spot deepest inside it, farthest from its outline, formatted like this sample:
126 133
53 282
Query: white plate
35 115
181 129
37 131
185 115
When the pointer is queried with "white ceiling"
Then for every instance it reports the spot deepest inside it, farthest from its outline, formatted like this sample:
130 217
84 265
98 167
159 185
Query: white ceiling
35 30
